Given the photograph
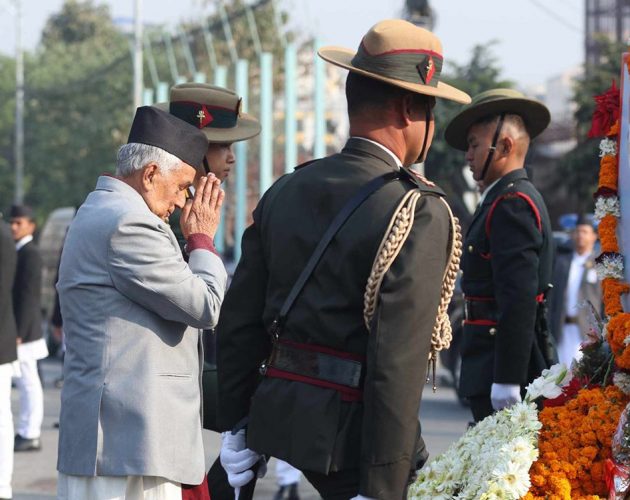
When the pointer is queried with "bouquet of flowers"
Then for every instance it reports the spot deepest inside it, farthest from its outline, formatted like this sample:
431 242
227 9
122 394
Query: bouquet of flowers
491 460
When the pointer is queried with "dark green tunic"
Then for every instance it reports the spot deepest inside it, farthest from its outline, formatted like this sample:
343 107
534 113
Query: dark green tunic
508 259
309 426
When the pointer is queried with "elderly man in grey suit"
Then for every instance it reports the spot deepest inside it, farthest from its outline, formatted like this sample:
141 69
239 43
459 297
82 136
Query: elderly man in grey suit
130 425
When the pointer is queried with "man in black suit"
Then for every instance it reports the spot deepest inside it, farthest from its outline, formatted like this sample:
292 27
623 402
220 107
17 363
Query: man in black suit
8 355
341 390
508 251
575 283
31 345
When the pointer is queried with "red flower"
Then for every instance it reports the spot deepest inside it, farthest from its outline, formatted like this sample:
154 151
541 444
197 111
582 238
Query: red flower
569 391
606 112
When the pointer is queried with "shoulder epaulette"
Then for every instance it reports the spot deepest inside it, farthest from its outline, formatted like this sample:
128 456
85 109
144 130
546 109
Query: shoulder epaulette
509 193
421 182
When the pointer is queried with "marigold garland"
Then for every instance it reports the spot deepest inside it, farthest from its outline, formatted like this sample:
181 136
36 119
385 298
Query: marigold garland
614 130
618 329
574 444
608 234
608 172
612 290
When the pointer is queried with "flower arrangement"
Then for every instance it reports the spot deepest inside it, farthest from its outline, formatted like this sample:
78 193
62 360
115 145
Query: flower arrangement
578 433
578 445
574 443
490 461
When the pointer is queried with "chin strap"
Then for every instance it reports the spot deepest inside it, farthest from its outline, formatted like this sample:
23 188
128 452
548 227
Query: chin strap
493 146
428 114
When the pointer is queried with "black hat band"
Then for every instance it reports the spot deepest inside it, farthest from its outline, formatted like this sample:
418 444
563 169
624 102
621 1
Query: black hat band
408 65
204 115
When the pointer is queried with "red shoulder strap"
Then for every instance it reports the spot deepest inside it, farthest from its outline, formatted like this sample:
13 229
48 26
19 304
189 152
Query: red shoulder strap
514 194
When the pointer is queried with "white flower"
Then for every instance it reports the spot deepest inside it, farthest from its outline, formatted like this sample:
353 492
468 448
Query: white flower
607 205
491 461
559 374
626 341
542 387
622 380
610 266
607 147
512 478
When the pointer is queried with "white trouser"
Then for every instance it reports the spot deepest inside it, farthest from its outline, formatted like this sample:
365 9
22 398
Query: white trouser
117 488
6 431
569 344
31 400
286 474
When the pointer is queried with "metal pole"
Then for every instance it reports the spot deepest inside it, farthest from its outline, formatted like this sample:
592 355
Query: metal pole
138 77
161 92
220 76
212 55
155 79
278 22
227 30
266 121
147 97
220 80
170 55
253 29
290 105
240 150
319 146
188 55
19 106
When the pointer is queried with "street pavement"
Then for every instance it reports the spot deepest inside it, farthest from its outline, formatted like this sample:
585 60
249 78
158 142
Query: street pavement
34 478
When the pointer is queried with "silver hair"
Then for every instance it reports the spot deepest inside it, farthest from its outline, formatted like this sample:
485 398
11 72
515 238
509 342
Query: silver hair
134 156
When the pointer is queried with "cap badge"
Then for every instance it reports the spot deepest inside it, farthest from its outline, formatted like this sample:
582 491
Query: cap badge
204 117
426 69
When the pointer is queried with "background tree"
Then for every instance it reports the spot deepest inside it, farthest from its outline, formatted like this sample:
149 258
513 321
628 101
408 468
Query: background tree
578 170
7 130
444 164
78 105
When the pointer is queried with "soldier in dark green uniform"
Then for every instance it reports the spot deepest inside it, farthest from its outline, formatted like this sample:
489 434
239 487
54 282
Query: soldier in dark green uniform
508 252
339 396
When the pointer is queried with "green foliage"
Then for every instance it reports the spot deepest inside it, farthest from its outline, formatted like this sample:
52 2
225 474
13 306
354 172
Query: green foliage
77 22
578 170
7 120
78 105
444 164
78 94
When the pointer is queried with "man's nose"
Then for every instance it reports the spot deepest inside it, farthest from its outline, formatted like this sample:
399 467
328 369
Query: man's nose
181 199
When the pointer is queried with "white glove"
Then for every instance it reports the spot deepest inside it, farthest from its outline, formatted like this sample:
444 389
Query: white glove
238 460
361 497
503 395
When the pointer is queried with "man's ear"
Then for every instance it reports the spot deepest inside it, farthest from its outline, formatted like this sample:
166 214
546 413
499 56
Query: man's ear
407 108
149 173
506 145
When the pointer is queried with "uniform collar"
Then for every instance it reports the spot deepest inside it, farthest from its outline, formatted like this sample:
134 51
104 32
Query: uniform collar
23 241
373 148
497 187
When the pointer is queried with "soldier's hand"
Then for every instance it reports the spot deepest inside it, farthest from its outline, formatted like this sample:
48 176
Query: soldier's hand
504 395
203 213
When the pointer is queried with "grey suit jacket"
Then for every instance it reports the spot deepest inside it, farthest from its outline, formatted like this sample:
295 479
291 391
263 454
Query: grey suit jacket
130 403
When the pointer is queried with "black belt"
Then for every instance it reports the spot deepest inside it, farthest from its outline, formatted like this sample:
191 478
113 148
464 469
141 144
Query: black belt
571 320
481 309
317 365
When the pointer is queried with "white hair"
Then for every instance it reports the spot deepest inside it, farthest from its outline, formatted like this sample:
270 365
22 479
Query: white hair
135 156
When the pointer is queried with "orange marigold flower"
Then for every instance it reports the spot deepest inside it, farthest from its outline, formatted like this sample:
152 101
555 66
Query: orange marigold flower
608 234
612 290
608 172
